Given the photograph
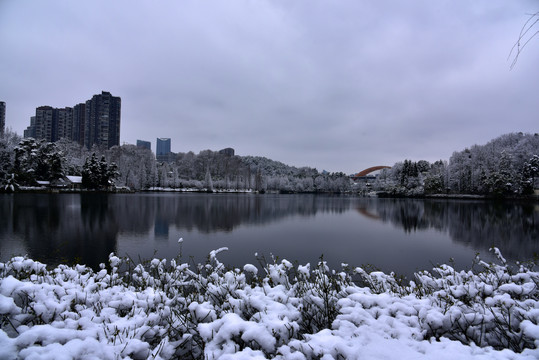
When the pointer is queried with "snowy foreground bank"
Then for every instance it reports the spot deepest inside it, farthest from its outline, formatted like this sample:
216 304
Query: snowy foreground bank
164 310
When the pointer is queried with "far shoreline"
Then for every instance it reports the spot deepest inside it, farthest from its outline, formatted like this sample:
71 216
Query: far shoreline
380 194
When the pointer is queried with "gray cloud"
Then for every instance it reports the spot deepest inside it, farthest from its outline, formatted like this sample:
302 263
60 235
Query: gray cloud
339 86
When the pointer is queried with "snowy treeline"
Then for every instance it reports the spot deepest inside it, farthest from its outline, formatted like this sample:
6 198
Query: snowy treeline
166 310
211 170
24 162
29 160
507 165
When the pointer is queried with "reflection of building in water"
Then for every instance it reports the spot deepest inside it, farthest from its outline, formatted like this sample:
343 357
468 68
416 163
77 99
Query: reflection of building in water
161 227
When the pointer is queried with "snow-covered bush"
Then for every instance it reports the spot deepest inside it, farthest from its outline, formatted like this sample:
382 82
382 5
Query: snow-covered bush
165 309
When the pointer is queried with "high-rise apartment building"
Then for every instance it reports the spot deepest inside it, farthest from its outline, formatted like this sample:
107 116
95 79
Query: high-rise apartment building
50 124
102 126
31 130
44 122
79 116
64 124
95 122
2 118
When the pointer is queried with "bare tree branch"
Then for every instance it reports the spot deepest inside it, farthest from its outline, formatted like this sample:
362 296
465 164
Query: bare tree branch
524 37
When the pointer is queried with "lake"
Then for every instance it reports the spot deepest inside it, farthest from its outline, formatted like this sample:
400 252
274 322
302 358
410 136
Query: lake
400 235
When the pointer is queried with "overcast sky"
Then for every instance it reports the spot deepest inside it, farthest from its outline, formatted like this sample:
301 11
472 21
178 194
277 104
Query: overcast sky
337 85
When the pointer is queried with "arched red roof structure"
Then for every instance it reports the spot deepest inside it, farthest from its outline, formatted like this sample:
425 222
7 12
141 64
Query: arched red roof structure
369 170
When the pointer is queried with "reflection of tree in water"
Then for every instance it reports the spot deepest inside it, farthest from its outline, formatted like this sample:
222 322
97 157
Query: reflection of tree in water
99 230
216 212
83 228
64 228
512 227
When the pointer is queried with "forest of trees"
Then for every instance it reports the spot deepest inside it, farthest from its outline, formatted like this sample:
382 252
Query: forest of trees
505 166
25 161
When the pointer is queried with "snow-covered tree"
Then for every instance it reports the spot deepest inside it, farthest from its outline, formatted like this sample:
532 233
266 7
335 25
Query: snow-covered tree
208 183
74 156
37 160
136 166
98 174
530 173
8 142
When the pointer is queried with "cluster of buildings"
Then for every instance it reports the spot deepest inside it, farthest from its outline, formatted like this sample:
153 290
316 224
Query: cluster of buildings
94 122
163 153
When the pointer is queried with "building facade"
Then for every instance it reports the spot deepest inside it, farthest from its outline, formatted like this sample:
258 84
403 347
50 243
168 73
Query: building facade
44 122
227 152
31 130
2 118
144 144
95 122
102 121
162 150
79 119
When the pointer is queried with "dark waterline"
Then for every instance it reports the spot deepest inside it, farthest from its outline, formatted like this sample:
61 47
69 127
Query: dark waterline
400 235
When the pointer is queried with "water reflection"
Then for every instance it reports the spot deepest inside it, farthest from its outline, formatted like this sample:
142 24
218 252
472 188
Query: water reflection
214 213
513 227
67 228
58 228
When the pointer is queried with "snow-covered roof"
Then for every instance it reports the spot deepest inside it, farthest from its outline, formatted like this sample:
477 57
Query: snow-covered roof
74 179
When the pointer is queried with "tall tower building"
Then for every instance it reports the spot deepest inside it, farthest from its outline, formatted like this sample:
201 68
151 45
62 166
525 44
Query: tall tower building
162 149
102 121
2 118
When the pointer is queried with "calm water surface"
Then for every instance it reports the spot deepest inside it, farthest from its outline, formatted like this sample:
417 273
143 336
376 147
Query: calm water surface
401 235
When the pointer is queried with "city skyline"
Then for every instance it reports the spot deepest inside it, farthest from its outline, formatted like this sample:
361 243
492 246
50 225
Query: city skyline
94 122
337 86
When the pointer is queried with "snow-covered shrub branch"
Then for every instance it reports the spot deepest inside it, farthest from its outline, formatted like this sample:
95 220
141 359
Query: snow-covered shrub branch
165 309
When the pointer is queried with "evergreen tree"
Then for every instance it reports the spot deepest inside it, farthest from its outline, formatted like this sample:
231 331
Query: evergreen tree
98 174
530 172
37 160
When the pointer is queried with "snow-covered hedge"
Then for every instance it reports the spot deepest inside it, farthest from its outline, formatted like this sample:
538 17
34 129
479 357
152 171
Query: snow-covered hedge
169 310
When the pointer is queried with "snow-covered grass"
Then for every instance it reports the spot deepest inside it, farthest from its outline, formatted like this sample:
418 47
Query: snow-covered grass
198 190
165 309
